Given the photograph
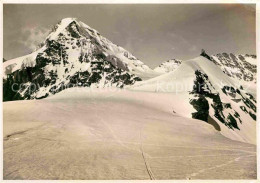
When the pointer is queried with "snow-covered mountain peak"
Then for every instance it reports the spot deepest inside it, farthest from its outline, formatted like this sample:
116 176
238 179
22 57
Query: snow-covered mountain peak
73 53
69 19
72 27
168 66
71 24
58 28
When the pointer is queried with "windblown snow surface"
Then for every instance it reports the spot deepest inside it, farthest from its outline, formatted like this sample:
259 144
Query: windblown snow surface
119 134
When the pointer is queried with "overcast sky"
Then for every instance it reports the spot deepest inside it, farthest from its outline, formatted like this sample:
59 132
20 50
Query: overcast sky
153 33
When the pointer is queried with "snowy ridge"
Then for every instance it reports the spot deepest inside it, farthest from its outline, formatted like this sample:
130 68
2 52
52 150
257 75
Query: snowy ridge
203 85
13 65
185 74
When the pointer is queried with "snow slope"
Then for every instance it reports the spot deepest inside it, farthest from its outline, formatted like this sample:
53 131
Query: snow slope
225 99
120 134
184 75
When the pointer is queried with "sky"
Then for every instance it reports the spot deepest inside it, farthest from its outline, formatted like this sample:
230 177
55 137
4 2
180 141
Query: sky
151 32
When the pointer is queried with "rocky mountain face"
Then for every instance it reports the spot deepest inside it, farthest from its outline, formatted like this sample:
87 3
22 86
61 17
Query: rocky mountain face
242 67
221 104
226 102
73 54
239 67
168 66
219 101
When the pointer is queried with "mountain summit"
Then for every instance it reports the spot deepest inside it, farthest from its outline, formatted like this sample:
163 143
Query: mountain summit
73 54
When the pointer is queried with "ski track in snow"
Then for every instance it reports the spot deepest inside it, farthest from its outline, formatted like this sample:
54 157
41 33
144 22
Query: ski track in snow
217 166
148 168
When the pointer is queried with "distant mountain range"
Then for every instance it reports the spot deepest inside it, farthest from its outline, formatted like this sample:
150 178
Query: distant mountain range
168 66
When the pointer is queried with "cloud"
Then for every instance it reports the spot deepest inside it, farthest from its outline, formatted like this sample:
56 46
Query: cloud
32 37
